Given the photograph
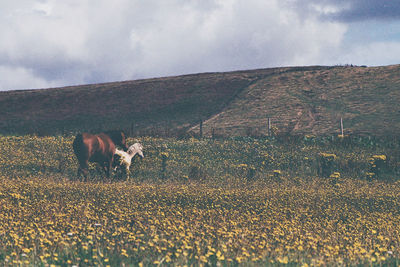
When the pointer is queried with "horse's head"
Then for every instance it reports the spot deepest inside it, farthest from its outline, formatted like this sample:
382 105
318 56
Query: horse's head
119 138
136 148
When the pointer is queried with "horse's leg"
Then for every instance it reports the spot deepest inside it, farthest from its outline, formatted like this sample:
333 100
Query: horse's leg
108 168
78 174
103 167
127 172
110 165
83 169
85 172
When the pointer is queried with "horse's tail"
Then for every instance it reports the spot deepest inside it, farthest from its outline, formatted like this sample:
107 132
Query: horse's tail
77 144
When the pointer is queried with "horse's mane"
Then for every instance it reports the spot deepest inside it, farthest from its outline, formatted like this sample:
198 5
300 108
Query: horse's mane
134 148
115 134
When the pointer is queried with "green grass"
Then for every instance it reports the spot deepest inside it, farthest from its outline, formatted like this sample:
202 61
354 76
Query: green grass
217 160
217 201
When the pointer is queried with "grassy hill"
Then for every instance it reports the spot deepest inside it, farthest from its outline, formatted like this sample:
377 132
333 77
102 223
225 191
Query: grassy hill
313 100
299 100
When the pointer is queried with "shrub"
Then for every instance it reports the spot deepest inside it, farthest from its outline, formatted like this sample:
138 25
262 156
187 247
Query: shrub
326 164
378 165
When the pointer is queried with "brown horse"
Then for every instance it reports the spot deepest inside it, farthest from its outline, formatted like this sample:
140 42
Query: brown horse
98 148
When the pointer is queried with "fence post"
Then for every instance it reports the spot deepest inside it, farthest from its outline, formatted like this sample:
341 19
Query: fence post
269 126
201 128
341 125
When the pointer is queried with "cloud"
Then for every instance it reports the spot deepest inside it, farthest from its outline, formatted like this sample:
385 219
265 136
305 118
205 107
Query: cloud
372 54
18 78
370 9
57 43
352 10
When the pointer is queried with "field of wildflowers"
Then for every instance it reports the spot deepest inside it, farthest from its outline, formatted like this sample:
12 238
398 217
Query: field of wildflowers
198 202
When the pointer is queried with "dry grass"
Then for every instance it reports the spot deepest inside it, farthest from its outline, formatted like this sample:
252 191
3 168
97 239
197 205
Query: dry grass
306 100
311 101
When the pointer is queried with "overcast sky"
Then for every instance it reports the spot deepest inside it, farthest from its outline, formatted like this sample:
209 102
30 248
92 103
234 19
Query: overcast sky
49 43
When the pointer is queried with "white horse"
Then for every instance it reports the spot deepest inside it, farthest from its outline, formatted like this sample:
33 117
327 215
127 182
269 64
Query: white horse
124 159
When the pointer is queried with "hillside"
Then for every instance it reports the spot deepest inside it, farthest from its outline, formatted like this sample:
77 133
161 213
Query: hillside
312 101
172 102
304 100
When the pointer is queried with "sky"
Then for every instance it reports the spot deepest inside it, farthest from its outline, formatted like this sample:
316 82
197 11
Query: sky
50 43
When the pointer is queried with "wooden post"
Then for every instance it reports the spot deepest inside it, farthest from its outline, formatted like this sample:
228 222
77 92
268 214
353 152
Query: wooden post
269 126
341 125
201 128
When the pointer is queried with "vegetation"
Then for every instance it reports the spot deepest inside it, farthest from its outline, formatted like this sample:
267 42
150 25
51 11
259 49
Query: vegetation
299 100
207 201
312 101
170 104
298 196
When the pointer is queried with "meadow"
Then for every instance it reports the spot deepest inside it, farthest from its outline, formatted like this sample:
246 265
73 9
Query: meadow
298 201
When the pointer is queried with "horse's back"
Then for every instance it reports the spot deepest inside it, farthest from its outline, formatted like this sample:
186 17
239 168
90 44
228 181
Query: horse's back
106 144
93 147
84 145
